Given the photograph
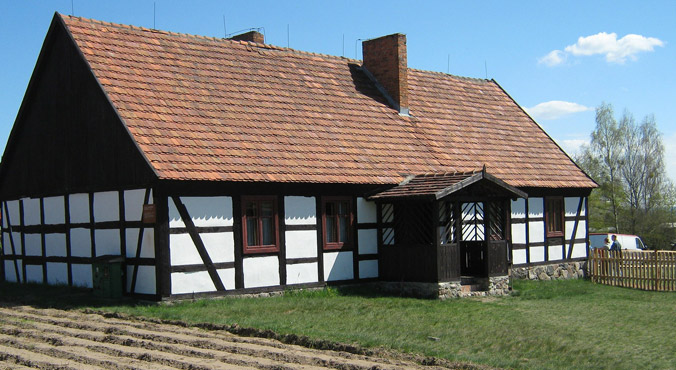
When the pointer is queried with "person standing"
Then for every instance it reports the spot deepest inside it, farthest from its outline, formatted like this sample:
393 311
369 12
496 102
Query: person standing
616 246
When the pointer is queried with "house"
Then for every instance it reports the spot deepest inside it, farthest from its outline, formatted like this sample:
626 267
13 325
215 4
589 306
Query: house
218 166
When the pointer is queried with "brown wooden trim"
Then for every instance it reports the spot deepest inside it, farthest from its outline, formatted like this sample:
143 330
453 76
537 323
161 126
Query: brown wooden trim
162 256
121 218
142 261
296 261
282 241
239 243
368 257
262 248
527 233
92 221
200 267
320 239
42 238
577 221
139 244
66 211
197 240
549 200
353 233
367 225
288 227
202 229
11 242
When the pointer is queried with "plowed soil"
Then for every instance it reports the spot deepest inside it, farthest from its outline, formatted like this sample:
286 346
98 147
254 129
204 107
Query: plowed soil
42 338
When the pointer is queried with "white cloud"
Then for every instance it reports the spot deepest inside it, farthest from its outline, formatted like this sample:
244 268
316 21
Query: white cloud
554 58
555 109
572 146
615 51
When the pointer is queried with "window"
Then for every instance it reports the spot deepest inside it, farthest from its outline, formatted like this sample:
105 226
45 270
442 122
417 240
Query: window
337 219
554 216
259 224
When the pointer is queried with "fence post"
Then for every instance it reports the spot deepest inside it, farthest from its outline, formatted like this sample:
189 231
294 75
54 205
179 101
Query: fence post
657 272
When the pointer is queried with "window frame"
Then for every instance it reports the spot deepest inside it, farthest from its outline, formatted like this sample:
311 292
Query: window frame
341 244
263 248
549 212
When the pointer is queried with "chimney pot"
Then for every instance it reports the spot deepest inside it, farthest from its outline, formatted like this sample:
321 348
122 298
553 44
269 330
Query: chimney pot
385 59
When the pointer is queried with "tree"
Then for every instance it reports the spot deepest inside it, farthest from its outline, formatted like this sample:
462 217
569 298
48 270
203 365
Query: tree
627 161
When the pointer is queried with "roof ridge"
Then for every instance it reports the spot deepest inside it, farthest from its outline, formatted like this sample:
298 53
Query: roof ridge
210 38
475 79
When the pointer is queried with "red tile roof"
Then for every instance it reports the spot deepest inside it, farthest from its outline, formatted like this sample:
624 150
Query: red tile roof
439 185
214 109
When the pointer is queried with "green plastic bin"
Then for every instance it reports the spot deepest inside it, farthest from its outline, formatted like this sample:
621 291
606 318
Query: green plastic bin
108 276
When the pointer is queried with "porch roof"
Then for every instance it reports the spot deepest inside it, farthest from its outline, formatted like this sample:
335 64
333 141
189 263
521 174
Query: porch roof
439 185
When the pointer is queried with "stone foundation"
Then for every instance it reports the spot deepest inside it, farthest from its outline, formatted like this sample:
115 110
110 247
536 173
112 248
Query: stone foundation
494 286
556 271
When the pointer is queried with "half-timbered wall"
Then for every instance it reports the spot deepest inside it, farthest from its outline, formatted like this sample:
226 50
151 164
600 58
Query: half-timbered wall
55 239
205 255
530 244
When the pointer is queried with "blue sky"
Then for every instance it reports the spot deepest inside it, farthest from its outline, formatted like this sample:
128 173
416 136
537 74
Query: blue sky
558 60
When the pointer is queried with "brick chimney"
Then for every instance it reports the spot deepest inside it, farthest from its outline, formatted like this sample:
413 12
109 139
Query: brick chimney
385 63
252 36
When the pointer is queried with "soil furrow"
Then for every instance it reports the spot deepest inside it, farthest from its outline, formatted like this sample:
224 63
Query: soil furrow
189 345
70 339
219 340
40 355
80 337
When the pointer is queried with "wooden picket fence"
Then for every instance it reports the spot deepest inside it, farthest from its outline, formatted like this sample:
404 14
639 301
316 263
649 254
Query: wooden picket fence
647 270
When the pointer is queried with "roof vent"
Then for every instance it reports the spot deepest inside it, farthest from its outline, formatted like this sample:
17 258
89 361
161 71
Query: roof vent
385 61
252 36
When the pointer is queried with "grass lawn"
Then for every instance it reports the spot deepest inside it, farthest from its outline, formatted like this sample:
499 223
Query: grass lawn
572 324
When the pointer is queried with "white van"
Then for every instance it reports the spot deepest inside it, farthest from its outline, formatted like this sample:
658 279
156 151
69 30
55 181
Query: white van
598 240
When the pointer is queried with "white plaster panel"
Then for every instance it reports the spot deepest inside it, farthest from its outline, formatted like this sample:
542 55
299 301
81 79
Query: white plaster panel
10 273
78 207
7 244
34 273
570 204
55 245
261 271
302 273
147 244
518 256
82 275
535 207
581 231
579 250
519 208
191 282
107 242
220 246
519 233
536 232
80 242
55 212
338 266
145 280
555 252
366 211
133 204
182 250
13 207
301 243
33 245
368 269
368 241
106 206
174 218
209 211
300 210
537 254
57 273
31 211
227 278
